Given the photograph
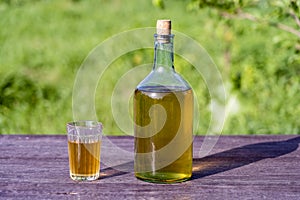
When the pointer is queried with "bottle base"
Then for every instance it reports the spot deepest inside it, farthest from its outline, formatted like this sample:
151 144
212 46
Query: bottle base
163 177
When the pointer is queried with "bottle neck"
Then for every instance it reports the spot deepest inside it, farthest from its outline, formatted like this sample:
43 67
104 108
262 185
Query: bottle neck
163 53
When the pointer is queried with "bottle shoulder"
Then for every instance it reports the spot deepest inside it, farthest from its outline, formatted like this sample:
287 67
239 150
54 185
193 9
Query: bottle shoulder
160 78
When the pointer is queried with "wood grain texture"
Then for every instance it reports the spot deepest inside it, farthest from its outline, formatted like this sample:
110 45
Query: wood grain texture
238 167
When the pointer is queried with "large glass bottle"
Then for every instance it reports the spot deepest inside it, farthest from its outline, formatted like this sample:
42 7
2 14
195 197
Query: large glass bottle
163 116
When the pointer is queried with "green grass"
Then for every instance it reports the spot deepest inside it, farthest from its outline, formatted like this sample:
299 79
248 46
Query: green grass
43 43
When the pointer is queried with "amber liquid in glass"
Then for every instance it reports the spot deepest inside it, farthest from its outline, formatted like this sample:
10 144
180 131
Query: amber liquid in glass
84 159
163 130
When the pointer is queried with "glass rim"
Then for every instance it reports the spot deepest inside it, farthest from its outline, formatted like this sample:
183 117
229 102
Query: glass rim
85 124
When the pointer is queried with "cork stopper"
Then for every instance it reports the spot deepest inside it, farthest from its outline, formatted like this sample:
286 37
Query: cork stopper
163 27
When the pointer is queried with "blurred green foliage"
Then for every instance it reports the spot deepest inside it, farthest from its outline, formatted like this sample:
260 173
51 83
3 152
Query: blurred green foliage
262 42
43 43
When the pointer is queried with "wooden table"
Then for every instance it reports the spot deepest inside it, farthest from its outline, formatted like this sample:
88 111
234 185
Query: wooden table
238 167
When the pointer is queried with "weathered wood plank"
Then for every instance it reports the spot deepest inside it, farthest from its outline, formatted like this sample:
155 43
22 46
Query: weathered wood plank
239 167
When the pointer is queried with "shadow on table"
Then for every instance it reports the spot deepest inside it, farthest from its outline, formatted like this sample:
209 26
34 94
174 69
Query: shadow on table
116 170
241 156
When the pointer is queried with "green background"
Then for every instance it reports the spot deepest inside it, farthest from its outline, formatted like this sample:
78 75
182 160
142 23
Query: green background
43 43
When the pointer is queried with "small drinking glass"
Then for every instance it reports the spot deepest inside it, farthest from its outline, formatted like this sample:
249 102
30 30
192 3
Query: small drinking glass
84 142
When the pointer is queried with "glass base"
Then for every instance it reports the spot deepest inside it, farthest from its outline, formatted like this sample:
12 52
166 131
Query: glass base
163 177
79 177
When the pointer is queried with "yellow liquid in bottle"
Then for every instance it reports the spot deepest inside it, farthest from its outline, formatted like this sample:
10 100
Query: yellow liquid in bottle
163 134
